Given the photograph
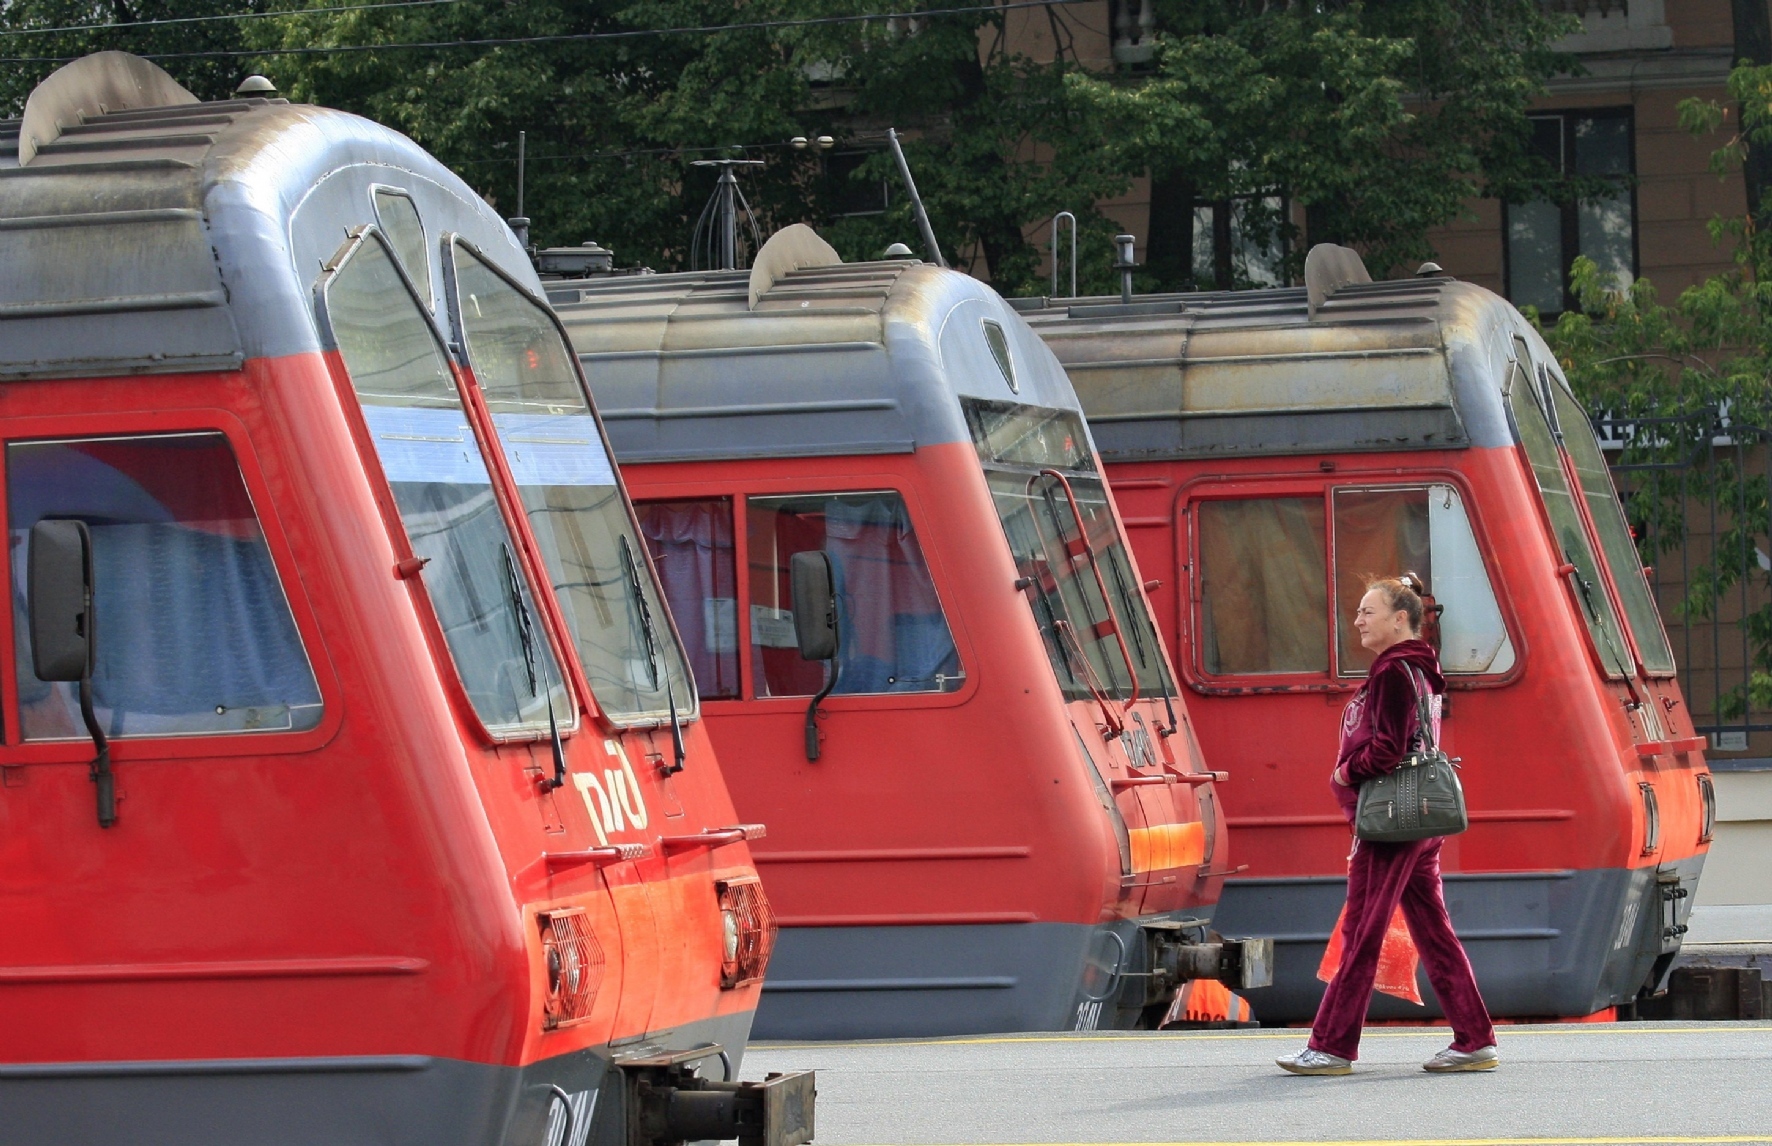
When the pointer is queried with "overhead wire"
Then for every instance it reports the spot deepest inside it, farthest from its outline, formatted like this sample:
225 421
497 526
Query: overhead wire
220 17
567 37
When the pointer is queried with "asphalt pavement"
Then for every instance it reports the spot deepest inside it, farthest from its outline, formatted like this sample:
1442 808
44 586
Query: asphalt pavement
1561 1085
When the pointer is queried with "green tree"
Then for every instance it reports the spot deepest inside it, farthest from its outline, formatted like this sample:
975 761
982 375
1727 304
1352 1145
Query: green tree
139 26
1687 374
1382 120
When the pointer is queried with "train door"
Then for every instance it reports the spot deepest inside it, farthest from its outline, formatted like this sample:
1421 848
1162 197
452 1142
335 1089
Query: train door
726 564
1276 567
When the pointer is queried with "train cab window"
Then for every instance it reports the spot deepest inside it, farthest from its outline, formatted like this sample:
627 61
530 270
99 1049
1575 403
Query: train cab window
194 634
1263 601
443 492
1066 541
398 217
1423 530
891 634
576 510
1615 539
1566 525
691 543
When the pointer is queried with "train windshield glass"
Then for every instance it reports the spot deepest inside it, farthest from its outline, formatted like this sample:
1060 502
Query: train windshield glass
1565 518
1615 539
555 449
444 493
1066 542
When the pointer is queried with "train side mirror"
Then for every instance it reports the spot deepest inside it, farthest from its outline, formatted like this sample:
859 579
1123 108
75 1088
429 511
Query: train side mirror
815 604
60 585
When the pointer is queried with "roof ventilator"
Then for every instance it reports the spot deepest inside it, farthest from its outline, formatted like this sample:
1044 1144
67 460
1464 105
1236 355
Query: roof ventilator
100 84
1327 269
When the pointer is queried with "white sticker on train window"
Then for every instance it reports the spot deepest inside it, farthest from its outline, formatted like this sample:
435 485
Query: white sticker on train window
554 449
417 444
773 628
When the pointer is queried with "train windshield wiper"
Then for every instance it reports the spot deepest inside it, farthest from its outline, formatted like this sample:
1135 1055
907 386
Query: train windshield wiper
526 638
654 661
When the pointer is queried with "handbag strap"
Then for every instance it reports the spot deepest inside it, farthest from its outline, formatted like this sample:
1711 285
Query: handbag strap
1424 722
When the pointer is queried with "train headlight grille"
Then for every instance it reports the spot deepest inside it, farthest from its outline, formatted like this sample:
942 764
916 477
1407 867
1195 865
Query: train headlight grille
1651 818
1707 798
747 931
574 962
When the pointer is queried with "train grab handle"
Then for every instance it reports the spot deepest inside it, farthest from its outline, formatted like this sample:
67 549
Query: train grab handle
1107 599
64 638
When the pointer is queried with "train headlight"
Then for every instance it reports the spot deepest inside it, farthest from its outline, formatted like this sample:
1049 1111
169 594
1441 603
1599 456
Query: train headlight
574 962
729 934
747 931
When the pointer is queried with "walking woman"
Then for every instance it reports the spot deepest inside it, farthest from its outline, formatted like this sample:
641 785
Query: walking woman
1377 729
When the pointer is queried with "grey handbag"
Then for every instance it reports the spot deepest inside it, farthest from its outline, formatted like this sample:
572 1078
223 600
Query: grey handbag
1418 799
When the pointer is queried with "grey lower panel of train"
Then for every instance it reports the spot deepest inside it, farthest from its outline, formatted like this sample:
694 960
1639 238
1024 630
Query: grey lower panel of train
924 981
1544 943
389 1100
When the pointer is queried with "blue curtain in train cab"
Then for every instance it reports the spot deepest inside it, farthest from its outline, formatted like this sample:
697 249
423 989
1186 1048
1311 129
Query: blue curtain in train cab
894 637
194 632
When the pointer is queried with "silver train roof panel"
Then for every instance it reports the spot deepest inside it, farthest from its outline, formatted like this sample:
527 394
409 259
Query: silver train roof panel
856 358
189 237
1399 365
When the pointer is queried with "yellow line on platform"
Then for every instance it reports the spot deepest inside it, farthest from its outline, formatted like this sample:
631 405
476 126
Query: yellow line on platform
1504 1033
1713 1140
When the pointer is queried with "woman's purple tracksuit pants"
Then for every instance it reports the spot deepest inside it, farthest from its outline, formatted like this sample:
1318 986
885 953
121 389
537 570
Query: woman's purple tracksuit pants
1379 877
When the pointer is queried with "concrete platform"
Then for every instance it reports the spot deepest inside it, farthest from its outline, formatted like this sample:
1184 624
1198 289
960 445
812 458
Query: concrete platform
1597 1084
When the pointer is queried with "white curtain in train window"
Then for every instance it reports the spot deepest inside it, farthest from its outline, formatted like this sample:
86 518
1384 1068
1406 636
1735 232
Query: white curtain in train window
194 632
691 543
1263 606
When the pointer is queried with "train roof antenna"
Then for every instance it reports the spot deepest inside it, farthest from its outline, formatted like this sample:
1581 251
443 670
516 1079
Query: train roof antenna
910 186
714 245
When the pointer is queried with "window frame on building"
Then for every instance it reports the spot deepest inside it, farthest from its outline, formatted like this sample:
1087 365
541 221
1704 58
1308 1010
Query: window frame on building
1569 211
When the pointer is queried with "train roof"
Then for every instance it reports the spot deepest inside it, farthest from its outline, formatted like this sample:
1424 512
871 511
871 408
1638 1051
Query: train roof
144 231
807 358
1409 364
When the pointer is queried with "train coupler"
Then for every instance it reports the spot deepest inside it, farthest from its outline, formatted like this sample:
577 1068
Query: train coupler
1174 959
669 1103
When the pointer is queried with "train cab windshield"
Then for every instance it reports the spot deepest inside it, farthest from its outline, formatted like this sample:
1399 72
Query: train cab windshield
568 487
1054 508
442 489
1539 431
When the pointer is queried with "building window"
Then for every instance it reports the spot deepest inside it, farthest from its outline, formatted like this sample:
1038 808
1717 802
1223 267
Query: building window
1544 237
1239 243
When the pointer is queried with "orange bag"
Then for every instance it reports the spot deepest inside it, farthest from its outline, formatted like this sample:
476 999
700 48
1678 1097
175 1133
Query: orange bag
1397 959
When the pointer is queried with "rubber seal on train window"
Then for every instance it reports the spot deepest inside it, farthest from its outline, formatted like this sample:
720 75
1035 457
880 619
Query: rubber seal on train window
999 344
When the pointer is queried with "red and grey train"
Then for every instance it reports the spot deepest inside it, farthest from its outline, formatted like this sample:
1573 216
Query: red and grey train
354 783
1272 448
922 644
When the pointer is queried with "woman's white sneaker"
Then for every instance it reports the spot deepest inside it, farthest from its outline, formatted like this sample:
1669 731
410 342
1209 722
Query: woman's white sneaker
1310 1061
1449 1060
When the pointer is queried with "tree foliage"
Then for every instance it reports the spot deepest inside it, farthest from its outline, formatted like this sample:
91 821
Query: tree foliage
1689 386
1380 119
